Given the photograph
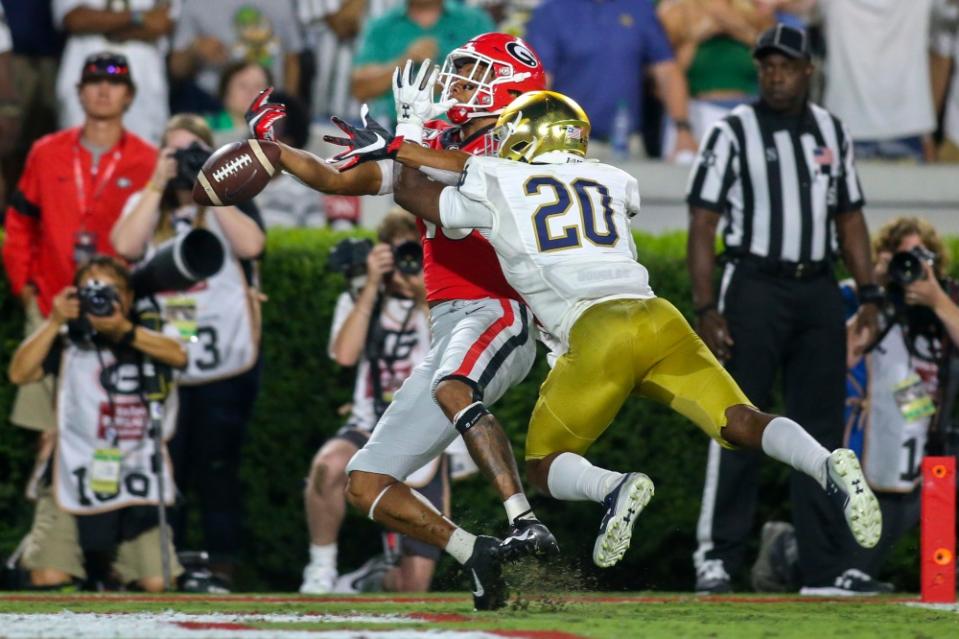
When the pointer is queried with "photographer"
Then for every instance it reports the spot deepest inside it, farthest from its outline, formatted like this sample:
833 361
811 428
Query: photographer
104 464
218 321
896 385
383 330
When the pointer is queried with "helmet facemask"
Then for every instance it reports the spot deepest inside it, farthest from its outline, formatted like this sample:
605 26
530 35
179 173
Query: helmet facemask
486 74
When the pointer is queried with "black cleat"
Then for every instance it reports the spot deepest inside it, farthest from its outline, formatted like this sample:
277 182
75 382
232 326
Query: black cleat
528 538
485 574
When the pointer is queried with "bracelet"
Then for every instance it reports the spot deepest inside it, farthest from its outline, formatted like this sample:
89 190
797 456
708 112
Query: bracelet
683 125
702 310
871 294
136 18
128 338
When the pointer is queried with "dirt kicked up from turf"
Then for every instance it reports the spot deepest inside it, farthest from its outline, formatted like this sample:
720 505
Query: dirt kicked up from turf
551 615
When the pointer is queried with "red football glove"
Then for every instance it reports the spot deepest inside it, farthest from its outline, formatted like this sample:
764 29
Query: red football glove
262 115
364 144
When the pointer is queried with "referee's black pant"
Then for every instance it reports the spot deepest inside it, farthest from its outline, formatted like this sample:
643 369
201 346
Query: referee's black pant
795 325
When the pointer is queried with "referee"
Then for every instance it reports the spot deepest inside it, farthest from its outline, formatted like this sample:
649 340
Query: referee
780 176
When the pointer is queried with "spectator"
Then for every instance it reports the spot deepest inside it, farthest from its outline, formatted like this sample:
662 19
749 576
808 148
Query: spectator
598 52
240 83
30 87
330 28
713 42
218 322
115 512
137 31
878 80
213 33
945 55
71 192
419 30
286 201
893 385
784 209
385 352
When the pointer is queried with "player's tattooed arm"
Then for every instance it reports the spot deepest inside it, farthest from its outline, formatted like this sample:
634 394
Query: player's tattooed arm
419 195
364 179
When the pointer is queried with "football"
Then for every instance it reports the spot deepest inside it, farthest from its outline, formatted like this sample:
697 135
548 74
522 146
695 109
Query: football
236 172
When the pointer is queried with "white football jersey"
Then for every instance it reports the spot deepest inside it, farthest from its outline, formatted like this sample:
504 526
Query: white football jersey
561 232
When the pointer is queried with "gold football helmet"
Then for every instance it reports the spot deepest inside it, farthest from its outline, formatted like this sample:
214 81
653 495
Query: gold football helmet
540 122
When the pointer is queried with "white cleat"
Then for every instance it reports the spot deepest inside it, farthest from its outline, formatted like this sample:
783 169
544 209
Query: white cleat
318 580
846 485
623 506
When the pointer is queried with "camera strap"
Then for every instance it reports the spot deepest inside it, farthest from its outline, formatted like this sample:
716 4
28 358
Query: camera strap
375 356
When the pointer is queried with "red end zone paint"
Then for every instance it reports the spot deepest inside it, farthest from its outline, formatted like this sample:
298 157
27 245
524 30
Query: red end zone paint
439 617
536 634
938 526
205 625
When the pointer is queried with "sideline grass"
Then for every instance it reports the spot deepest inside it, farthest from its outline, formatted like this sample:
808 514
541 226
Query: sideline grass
593 616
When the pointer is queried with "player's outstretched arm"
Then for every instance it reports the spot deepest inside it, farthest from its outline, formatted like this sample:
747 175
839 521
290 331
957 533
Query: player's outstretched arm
419 195
313 171
416 156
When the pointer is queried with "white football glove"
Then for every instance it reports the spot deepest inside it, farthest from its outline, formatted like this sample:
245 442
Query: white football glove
414 99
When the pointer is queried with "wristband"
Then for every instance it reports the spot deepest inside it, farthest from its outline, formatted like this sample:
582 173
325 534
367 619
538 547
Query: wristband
683 125
870 294
127 338
136 18
702 310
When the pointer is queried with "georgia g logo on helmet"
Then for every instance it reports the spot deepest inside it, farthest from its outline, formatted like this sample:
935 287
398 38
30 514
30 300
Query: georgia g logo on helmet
523 55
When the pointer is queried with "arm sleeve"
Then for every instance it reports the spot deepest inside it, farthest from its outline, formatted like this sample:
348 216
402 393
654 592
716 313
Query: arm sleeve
849 196
714 171
632 196
22 228
457 211
387 176
656 44
344 305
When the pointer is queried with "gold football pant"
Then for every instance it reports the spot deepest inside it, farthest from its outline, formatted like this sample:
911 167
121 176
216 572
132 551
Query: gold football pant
621 347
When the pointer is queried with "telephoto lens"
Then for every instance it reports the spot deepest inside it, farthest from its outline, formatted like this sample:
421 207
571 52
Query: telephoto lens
906 267
97 299
408 257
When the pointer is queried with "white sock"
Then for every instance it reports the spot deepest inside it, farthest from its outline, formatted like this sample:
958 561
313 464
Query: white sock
518 505
460 545
323 555
788 442
573 478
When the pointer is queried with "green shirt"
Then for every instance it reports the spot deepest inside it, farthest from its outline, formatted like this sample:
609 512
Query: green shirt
722 64
386 38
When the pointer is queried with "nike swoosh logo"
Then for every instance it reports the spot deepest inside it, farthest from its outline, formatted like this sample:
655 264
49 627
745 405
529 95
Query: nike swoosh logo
378 144
479 592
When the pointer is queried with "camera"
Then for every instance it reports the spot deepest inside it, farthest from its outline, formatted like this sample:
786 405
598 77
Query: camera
98 299
180 263
349 257
189 161
907 267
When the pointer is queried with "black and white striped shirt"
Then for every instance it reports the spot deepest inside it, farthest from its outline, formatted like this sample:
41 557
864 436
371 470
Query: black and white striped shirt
778 181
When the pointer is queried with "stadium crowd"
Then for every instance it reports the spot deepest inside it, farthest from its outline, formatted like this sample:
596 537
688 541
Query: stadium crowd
109 107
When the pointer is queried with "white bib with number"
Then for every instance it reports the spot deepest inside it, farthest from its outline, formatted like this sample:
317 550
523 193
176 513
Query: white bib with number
104 451
900 406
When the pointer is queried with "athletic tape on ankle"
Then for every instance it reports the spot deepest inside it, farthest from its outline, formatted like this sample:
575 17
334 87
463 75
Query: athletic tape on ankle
377 501
467 418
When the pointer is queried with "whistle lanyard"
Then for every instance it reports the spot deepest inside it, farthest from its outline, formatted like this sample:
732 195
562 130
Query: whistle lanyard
101 179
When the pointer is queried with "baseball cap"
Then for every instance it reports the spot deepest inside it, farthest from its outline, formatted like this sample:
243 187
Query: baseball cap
106 65
789 41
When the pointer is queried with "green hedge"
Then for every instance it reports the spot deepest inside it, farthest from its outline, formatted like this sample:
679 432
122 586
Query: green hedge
297 410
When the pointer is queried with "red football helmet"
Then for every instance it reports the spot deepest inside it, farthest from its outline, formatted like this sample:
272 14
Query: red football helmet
503 67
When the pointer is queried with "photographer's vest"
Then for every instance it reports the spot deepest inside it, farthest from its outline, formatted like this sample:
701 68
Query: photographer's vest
889 409
215 319
103 420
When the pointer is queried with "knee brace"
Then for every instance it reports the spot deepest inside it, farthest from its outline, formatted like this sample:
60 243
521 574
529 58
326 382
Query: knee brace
469 416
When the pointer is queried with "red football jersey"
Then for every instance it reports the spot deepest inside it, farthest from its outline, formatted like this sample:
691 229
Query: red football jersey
459 265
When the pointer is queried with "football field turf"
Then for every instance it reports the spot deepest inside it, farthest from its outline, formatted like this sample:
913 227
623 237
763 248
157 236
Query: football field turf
450 616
